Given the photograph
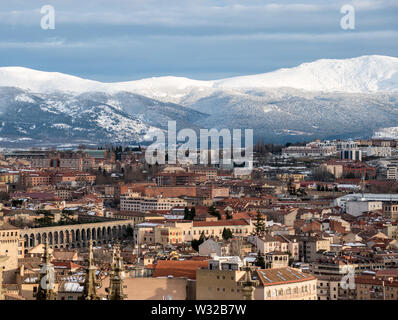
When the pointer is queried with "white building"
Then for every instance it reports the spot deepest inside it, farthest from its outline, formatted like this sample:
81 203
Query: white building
135 202
310 150
378 151
358 207
349 150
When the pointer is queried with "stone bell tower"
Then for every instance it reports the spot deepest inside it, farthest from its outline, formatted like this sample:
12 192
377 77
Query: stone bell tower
2 260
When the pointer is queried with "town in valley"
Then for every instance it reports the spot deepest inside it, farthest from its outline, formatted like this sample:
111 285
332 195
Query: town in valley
311 221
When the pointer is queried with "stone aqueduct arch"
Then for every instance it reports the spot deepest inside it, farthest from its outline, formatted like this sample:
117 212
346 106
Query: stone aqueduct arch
75 236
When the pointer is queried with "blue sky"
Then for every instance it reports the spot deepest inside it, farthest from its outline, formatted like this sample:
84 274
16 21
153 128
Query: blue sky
117 40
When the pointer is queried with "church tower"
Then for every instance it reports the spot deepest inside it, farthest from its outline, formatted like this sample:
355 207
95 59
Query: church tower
115 290
46 289
2 260
90 282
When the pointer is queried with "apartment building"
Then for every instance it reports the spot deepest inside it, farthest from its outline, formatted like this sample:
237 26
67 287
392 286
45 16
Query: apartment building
390 209
135 202
220 281
285 284
381 286
238 227
310 245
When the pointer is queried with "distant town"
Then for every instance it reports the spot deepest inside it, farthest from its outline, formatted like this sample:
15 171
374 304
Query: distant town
310 221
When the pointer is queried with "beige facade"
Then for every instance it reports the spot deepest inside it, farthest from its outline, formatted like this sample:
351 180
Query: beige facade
11 246
218 284
215 228
391 210
369 288
134 202
333 168
329 288
285 284
310 246
168 235
152 288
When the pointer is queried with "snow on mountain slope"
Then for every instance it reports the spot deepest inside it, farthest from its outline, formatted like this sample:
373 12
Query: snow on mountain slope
45 82
386 133
322 99
363 74
63 117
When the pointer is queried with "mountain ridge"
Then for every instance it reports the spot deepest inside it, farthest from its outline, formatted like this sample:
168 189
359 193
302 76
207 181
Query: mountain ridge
369 73
360 97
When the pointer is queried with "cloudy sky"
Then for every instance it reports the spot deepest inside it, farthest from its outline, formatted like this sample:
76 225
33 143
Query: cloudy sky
117 40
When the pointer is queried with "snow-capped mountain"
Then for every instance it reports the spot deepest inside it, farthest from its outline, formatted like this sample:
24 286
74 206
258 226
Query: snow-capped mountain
325 98
365 74
386 133
58 117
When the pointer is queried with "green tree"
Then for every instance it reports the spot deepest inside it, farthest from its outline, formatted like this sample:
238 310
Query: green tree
196 243
129 232
259 224
227 234
187 215
214 212
228 214
260 262
193 213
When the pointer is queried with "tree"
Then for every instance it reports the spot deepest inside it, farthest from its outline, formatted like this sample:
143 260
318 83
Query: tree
196 243
260 262
259 224
228 214
227 234
193 213
214 212
129 232
187 215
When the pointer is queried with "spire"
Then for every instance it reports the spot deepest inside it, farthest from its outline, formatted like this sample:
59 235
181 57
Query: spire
115 290
46 290
90 282
248 285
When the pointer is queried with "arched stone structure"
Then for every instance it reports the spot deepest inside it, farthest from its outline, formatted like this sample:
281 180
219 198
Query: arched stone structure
74 236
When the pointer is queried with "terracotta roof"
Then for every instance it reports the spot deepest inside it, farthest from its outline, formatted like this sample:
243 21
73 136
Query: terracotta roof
372 280
178 268
220 223
7 226
64 255
66 265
